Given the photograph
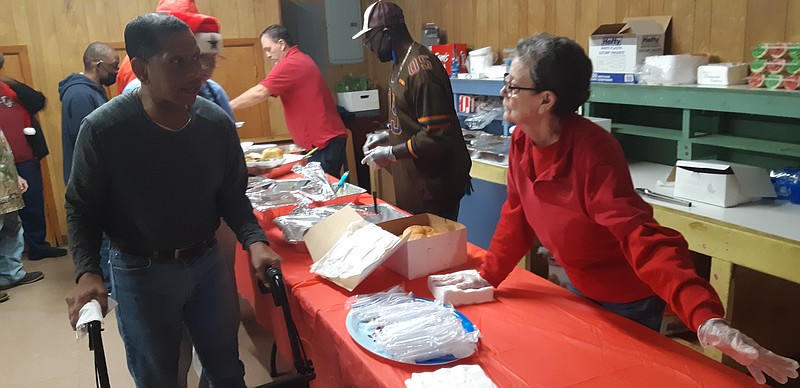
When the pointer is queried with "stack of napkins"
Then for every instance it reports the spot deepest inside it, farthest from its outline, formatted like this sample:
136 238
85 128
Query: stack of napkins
458 376
361 247
452 295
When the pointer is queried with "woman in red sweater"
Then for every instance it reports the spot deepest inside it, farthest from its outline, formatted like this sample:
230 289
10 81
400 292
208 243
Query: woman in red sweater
569 184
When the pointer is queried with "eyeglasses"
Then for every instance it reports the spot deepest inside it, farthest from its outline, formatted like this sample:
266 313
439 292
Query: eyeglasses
113 67
512 90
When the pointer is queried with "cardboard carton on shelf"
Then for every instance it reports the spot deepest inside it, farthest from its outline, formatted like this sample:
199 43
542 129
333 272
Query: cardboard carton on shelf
721 183
617 49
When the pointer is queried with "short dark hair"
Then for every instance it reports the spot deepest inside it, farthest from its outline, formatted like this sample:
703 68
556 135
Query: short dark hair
557 64
277 32
96 51
143 34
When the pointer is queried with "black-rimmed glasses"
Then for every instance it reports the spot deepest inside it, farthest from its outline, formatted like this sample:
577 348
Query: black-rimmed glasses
512 89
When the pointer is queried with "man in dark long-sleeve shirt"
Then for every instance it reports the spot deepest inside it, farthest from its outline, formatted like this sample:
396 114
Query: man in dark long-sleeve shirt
155 170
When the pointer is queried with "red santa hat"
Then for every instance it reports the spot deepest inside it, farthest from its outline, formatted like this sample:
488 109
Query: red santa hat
205 28
170 6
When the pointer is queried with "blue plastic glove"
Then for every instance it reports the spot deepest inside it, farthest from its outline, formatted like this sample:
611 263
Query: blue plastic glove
375 139
717 333
379 157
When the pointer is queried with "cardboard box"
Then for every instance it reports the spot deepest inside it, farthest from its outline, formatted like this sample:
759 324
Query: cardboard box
723 74
445 54
427 255
324 235
616 49
359 101
721 183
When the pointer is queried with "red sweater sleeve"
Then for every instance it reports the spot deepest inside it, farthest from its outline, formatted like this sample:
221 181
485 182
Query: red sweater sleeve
659 255
512 238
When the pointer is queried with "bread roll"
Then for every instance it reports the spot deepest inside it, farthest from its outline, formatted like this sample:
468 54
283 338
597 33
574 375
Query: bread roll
416 232
272 153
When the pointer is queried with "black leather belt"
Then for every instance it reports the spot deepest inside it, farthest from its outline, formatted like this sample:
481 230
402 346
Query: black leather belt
184 253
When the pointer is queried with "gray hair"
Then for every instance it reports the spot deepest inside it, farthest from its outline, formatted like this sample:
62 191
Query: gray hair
277 32
557 64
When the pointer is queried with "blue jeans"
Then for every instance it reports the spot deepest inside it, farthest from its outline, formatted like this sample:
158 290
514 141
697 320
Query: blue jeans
332 157
648 311
158 298
32 215
11 245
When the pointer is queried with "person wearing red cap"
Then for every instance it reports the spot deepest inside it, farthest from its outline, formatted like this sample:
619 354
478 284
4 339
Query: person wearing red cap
424 144
308 106
155 170
209 40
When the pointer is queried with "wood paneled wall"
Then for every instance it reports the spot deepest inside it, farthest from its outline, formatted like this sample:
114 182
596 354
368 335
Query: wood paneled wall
725 28
56 32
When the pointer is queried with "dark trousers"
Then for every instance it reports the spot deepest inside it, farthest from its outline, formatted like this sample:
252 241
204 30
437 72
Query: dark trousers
332 157
32 215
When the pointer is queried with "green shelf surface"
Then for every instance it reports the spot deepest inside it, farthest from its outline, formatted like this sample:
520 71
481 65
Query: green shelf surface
653 132
737 99
748 144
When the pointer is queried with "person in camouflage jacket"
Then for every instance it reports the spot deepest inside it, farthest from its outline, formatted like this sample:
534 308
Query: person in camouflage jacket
11 243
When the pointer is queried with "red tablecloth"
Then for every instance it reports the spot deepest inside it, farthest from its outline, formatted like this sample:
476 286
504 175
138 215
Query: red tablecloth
535 334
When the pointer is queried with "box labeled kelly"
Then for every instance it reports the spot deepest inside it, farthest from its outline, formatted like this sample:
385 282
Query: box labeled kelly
617 49
721 183
416 258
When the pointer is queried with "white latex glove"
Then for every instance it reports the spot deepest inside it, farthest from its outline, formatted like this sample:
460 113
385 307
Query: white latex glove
719 334
375 139
464 280
379 157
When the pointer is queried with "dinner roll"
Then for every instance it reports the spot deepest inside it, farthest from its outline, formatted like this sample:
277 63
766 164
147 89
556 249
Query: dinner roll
272 153
416 232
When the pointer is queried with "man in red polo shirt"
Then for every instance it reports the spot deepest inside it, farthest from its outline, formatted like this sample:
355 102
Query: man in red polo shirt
307 103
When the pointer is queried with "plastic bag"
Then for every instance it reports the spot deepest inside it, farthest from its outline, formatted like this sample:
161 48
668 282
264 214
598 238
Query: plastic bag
488 109
787 184
411 329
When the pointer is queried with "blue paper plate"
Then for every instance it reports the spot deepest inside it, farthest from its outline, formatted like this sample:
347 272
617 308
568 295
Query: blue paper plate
360 334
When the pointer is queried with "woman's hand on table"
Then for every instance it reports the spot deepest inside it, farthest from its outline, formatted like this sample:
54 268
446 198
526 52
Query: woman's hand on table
719 334
262 256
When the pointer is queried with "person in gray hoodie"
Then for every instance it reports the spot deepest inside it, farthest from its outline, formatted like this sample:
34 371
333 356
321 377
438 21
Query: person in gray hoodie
82 93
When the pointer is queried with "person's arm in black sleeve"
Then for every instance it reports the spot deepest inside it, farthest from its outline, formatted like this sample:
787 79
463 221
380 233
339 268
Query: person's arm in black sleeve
85 200
435 115
235 207
31 99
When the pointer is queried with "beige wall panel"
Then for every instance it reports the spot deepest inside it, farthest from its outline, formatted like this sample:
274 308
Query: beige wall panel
566 17
728 23
657 7
766 22
587 21
638 8
793 21
701 37
606 12
683 26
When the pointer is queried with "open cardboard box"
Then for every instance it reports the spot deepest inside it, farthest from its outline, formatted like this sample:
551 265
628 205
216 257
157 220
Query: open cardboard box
721 183
411 259
616 49
324 235
431 254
